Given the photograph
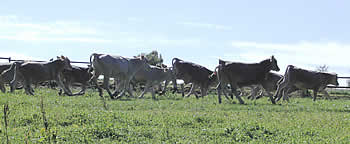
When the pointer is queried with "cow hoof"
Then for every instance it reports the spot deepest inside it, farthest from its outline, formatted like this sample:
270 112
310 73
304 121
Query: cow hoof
117 97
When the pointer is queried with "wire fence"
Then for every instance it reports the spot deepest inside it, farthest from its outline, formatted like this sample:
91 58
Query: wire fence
15 60
80 62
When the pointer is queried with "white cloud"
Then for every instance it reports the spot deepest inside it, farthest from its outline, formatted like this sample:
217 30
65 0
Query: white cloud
205 25
15 28
304 53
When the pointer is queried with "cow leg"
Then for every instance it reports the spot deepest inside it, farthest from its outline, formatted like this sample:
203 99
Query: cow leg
193 87
130 92
204 91
83 88
254 92
13 86
67 85
60 83
165 85
234 91
221 88
153 93
261 94
118 84
285 94
105 85
225 91
315 94
270 95
146 89
2 87
218 88
280 88
174 86
93 80
126 85
27 87
326 94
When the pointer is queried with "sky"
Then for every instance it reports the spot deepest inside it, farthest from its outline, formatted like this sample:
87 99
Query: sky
303 33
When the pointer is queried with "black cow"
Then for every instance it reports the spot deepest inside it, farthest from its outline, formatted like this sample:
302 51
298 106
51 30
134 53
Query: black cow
242 74
193 73
35 72
77 75
304 79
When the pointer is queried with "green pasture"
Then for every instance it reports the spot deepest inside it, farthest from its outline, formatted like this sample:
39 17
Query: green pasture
171 119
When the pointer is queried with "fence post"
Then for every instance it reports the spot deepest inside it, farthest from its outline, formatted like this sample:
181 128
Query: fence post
9 59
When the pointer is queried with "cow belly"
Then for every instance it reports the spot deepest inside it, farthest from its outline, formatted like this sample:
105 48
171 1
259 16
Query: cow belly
304 85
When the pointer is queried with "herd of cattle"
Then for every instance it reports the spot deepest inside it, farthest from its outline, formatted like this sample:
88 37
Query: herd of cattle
126 71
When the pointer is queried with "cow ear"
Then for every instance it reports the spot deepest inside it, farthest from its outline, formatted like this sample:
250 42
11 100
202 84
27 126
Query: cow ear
222 62
142 57
62 57
272 57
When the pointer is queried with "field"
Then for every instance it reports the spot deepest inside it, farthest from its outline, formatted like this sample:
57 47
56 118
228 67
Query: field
170 119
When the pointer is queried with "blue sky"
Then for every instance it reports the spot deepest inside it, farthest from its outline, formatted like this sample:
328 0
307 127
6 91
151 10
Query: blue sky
302 33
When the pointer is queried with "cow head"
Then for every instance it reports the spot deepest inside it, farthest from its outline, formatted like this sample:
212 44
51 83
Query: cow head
139 62
66 61
274 65
333 79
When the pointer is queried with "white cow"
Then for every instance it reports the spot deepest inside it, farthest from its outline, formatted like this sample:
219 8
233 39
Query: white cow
153 76
117 67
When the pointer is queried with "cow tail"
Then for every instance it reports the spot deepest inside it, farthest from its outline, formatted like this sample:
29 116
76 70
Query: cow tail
14 67
92 57
173 61
286 73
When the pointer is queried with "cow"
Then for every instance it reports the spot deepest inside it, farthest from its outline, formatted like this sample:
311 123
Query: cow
77 75
6 76
35 72
153 76
242 74
3 67
304 79
116 67
269 84
142 81
193 73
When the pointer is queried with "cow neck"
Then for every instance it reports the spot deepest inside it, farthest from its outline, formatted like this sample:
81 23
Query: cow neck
267 66
56 65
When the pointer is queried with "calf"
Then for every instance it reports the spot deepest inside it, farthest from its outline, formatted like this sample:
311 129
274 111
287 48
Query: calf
242 74
269 84
153 76
35 72
7 75
3 79
304 79
117 67
77 75
193 73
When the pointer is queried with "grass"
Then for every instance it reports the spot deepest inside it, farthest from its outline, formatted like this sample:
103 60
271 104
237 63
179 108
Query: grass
172 119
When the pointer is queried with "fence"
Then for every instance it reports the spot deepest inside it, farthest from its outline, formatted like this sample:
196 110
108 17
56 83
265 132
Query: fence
11 60
340 86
